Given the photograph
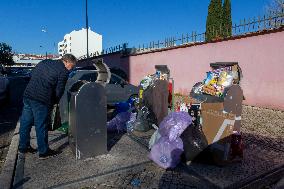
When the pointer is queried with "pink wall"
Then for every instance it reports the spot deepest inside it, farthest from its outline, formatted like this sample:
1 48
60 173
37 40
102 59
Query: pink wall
260 57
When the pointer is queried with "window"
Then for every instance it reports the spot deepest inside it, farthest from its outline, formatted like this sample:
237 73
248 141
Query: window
89 77
115 80
70 37
70 50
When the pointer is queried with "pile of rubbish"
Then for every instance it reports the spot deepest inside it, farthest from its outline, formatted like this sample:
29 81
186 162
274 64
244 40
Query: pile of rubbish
208 120
217 81
149 80
153 99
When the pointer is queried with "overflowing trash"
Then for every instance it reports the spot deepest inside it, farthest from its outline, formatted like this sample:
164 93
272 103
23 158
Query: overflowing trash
205 123
218 80
153 99
222 76
166 144
216 115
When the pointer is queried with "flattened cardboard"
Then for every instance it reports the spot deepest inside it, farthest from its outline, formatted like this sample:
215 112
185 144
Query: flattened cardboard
212 106
216 125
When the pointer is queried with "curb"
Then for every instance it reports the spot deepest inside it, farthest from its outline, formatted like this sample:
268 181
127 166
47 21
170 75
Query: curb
7 174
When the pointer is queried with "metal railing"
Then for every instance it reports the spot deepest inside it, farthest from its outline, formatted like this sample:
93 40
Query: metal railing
267 22
110 50
245 27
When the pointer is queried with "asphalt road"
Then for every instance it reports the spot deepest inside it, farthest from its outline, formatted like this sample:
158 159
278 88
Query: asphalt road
10 112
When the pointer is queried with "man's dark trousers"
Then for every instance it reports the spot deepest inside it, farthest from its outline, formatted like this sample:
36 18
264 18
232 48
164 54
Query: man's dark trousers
34 113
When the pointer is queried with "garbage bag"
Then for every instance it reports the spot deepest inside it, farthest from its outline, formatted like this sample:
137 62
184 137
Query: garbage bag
237 145
145 118
166 153
118 123
194 141
122 107
174 124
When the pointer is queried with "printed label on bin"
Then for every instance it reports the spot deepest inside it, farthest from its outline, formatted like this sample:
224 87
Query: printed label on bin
141 93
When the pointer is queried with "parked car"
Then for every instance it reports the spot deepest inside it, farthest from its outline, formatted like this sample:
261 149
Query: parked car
117 89
4 83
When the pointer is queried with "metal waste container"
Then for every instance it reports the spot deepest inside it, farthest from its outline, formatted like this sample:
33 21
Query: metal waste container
153 99
100 75
87 119
218 116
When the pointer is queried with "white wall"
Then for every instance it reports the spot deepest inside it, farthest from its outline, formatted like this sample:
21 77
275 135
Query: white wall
76 44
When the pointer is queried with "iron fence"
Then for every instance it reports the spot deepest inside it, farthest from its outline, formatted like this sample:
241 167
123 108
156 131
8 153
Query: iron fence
273 20
267 22
110 50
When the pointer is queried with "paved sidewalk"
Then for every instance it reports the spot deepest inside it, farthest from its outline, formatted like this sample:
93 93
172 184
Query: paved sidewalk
127 166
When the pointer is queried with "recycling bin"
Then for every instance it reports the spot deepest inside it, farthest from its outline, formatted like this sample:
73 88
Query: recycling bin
219 111
87 119
153 99
101 75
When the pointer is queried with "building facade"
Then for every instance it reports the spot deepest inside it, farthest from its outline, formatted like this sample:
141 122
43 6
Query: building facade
31 59
76 43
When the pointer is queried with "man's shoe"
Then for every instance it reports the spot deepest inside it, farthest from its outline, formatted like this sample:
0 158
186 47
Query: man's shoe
28 150
48 154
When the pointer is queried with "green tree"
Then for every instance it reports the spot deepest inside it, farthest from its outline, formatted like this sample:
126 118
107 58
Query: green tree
6 55
227 19
214 20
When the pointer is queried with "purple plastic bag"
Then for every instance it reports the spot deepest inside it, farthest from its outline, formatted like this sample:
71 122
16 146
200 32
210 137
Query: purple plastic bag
118 123
174 124
167 153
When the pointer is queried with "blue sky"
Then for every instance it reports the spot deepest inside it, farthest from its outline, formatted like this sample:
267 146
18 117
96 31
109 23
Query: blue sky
119 21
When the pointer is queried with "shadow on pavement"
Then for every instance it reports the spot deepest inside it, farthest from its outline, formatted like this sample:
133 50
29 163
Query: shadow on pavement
262 166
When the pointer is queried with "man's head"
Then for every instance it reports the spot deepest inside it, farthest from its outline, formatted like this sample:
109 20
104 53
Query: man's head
69 61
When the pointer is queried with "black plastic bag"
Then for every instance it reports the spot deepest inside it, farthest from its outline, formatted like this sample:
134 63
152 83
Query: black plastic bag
194 141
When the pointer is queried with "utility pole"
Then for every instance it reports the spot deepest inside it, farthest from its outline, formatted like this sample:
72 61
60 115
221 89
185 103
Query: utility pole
87 28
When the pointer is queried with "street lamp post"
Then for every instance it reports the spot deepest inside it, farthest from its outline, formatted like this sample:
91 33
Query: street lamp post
87 28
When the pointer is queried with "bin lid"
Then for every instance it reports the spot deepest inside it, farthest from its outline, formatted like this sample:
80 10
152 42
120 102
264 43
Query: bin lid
217 65
98 66
104 73
76 86
163 69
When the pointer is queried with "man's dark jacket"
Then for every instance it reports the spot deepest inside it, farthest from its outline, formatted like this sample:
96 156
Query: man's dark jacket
47 83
